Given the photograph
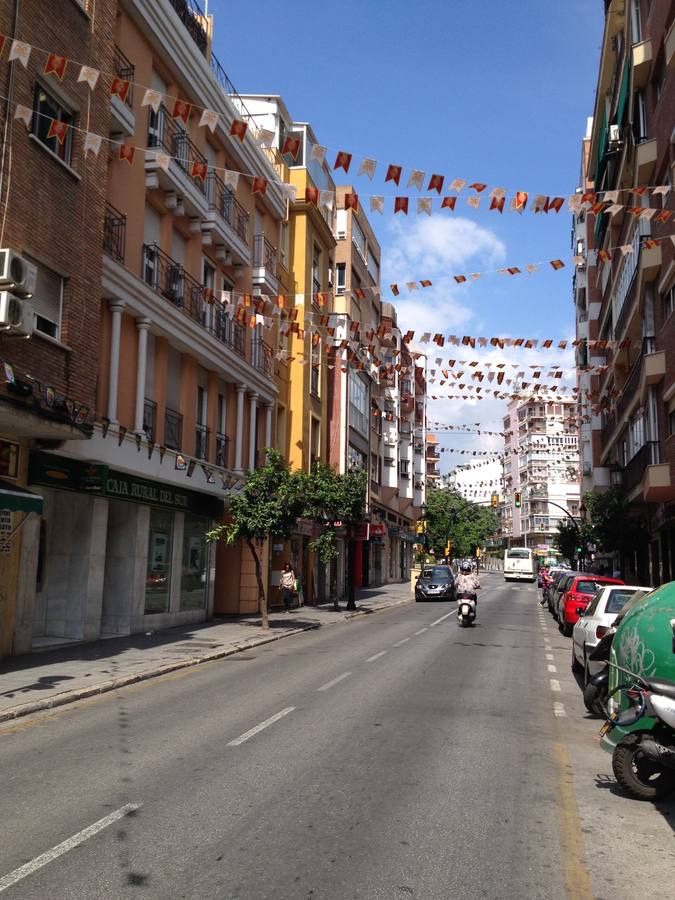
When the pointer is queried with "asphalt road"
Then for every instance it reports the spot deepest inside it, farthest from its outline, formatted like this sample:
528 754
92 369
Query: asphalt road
395 756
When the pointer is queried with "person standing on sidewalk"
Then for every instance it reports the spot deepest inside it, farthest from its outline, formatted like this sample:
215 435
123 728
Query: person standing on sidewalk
287 585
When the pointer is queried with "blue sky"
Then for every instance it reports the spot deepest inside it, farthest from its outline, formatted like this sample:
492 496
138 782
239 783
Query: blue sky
490 91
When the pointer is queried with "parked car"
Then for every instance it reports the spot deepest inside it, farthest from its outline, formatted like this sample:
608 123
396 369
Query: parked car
435 583
548 581
597 620
558 588
578 593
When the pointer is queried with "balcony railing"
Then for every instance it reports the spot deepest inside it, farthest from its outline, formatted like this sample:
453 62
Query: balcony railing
262 357
191 15
150 419
124 69
264 254
201 441
173 429
114 232
634 470
165 132
222 450
226 205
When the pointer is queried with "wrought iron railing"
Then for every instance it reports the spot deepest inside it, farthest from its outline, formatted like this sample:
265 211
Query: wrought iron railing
201 441
222 450
114 232
262 357
173 429
165 132
125 70
634 470
226 205
264 254
150 419
190 13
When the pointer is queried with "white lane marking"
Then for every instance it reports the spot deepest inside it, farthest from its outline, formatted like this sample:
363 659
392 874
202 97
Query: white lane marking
550 656
552 668
431 624
402 641
74 841
329 684
419 632
272 719
559 710
555 684
377 656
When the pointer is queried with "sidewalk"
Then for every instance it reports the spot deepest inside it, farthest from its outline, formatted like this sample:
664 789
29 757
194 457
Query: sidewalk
54 677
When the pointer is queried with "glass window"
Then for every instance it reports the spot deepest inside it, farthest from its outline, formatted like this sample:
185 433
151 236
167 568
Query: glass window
358 405
340 278
48 110
316 270
669 302
355 459
158 577
586 587
194 571
358 237
618 599
315 371
47 300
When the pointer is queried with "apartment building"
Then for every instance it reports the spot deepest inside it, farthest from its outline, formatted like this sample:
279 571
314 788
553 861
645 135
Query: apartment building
52 197
541 478
632 410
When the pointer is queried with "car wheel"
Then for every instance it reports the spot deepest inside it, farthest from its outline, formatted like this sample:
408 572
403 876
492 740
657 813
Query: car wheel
593 697
566 628
576 665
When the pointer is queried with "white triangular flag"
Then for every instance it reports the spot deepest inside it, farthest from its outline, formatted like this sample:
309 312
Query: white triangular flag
289 191
648 213
531 267
377 204
473 202
162 159
231 179
209 118
662 190
497 193
457 184
578 260
610 197
20 51
574 203
424 205
367 167
326 198
614 209
625 249
412 285
539 203
318 152
152 98
416 179
23 114
89 75
266 137
92 142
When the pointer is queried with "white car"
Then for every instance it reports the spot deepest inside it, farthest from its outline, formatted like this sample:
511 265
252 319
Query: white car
596 621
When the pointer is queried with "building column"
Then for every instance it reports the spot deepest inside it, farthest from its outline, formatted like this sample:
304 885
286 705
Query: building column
116 309
253 397
268 424
143 326
239 433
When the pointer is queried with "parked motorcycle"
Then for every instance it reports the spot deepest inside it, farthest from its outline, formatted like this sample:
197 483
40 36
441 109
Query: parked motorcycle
644 759
466 608
597 686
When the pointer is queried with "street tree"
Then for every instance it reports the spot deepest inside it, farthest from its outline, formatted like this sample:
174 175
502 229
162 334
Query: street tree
329 498
612 528
450 517
571 538
268 506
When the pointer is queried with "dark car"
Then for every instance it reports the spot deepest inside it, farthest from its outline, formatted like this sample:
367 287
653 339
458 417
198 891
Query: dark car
559 587
435 583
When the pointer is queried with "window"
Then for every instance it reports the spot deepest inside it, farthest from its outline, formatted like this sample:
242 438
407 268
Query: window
315 369
671 422
389 462
404 465
283 244
355 459
373 267
639 118
358 405
340 278
358 237
635 22
341 224
48 109
47 300
316 270
194 571
669 302
314 439
659 79
158 572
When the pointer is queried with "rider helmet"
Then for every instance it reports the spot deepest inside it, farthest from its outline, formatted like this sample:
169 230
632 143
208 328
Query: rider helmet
466 568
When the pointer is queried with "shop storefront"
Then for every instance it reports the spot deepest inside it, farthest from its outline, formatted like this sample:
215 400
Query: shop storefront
118 553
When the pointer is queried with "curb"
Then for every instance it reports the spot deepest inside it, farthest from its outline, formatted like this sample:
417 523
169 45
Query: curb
103 687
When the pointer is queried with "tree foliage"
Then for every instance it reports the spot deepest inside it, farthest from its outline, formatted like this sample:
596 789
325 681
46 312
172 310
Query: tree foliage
568 538
611 527
450 517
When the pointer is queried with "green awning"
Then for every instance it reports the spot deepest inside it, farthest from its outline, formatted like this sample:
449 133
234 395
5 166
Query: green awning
600 159
18 499
623 93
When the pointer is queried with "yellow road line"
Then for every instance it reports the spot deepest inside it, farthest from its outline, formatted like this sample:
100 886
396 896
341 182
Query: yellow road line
577 878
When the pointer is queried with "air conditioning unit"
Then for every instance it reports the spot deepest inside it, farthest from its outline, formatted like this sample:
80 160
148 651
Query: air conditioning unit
16 314
17 273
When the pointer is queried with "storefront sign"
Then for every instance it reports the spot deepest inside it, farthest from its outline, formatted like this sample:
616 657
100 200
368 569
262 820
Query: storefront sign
377 530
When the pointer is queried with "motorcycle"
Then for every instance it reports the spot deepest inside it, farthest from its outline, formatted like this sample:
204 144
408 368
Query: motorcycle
643 760
466 608
597 686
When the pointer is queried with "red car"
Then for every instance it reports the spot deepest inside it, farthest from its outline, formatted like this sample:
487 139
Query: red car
579 594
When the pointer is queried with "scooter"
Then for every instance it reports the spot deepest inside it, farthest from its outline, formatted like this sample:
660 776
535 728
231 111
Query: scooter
466 608
597 686
644 759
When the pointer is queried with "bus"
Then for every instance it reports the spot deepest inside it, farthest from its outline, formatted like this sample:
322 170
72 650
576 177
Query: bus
519 563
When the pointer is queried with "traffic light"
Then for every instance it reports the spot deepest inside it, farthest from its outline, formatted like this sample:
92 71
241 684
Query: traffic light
518 499
494 500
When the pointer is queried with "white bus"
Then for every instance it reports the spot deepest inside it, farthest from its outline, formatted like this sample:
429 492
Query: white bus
519 563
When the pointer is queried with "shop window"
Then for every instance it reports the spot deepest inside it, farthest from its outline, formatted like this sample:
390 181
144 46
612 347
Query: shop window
194 572
48 109
158 575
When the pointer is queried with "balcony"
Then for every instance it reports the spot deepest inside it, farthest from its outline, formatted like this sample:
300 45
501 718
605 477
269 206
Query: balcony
407 403
191 16
173 429
222 450
649 368
170 280
114 233
150 420
262 357
645 161
226 224
642 63
122 113
201 441
264 273
183 194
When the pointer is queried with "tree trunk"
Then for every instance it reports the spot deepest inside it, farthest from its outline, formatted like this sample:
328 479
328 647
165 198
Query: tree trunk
351 598
262 602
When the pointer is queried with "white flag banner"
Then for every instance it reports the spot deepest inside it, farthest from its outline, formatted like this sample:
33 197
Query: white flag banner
231 179
614 209
661 190
89 75
326 199
412 285
209 118
92 143
424 205
611 197
266 137
23 114
648 213
289 191
153 99
318 152
416 179
377 205
20 51
367 167
473 202
163 160
457 184
539 203
625 249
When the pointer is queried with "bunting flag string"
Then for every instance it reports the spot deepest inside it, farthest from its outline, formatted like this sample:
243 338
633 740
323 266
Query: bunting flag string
55 65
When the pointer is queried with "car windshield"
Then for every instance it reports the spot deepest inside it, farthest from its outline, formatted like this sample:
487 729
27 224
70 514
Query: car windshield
586 587
618 598
437 572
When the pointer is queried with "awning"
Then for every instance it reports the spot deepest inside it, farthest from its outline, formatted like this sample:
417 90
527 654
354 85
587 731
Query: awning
18 499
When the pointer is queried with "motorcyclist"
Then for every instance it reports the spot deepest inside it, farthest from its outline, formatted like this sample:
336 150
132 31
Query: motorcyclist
466 581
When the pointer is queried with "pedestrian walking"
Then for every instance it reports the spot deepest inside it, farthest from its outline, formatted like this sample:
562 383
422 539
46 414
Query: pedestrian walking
287 585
